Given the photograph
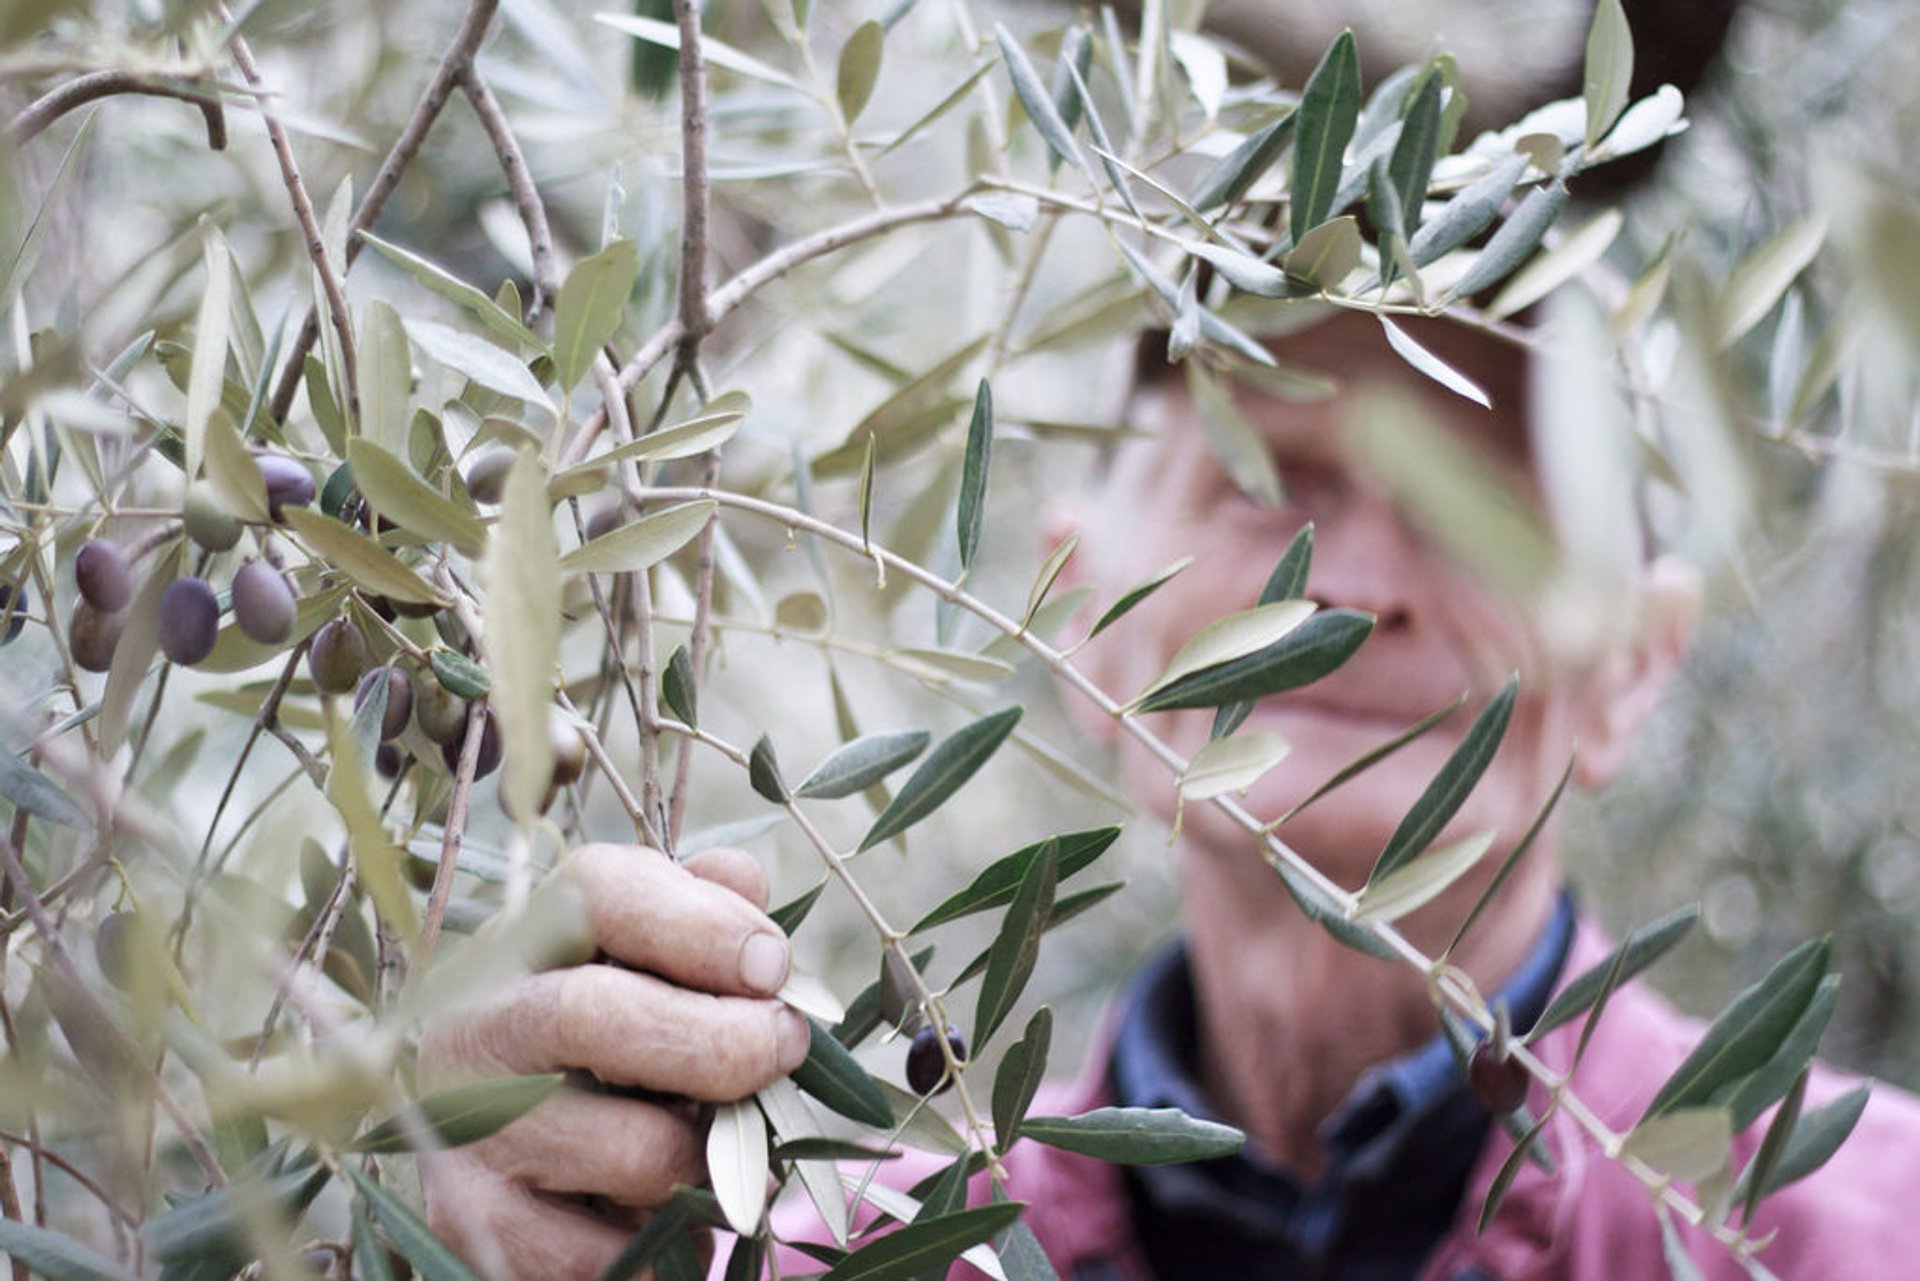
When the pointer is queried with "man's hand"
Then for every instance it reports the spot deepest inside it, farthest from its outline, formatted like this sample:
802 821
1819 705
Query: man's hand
680 1007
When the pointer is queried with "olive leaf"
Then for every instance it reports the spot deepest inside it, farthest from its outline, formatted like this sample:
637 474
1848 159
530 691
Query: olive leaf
943 773
1135 1136
858 765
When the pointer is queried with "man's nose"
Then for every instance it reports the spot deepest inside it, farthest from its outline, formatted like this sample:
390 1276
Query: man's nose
1367 557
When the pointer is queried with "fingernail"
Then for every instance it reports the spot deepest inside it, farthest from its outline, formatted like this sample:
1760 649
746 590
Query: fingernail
795 1038
763 962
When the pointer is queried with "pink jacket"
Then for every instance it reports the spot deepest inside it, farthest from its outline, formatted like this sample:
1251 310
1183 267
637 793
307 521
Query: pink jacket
1589 1221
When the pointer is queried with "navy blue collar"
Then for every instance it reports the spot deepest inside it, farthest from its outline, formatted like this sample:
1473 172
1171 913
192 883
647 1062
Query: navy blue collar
1406 1138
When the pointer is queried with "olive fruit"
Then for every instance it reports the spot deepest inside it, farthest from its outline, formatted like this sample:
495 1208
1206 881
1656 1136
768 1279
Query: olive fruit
569 750
387 760
189 620
927 1066
289 484
1499 1083
116 948
92 636
487 475
399 700
103 575
13 611
208 521
489 758
262 603
338 657
440 713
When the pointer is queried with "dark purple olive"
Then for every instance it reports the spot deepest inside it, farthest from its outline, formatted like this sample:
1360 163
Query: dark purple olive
338 657
208 521
440 713
487 475
383 607
289 483
189 620
413 609
489 759
13 611
263 604
1500 1084
399 700
927 1066
92 636
103 575
387 760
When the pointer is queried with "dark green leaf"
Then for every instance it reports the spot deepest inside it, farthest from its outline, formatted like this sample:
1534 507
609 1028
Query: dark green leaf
831 1150
1021 1069
464 1113
1518 237
998 881
1411 166
1374 755
973 475
1288 581
763 772
789 915
1817 1137
588 310
1748 1033
55 1256
1304 655
370 1261
888 998
1642 948
1759 1171
1503 1180
1135 1136
1514 856
834 1077
924 1246
862 763
1240 168
1758 1092
213 1223
667 1224
1034 98
430 1256
943 773
1137 593
1468 213
1015 949
1329 109
1444 795
1064 910
1021 1257
459 674
678 688
35 793
943 1193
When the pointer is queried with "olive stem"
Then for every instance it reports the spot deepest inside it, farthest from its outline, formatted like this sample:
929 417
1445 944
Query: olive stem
526 197
454 833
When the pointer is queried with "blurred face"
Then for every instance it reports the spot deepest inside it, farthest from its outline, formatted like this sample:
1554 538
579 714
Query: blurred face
1439 631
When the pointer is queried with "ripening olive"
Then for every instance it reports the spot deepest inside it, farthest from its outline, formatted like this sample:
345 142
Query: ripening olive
399 700
13 611
487 475
208 521
103 575
489 758
263 604
387 759
440 713
189 620
116 948
927 1066
338 657
92 636
289 483
1500 1084
569 750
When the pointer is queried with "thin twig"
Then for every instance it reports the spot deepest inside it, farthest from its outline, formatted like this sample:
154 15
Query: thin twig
526 197
96 85
695 320
433 99
723 300
10 1207
455 830
316 242
73 1172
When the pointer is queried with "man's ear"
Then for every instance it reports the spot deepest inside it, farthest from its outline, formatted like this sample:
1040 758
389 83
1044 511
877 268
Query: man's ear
1630 682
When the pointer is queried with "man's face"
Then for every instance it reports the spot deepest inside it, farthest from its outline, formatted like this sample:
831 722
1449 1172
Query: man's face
1439 632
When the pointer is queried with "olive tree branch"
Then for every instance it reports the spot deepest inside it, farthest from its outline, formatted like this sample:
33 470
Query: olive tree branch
433 99
95 85
526 197
303 213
